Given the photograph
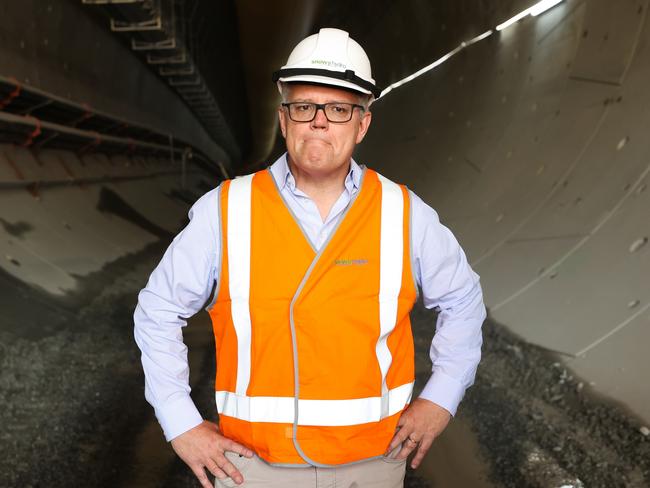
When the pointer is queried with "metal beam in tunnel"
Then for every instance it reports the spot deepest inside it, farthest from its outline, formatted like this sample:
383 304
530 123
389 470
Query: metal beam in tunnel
27 130
68 51
168 27
33 117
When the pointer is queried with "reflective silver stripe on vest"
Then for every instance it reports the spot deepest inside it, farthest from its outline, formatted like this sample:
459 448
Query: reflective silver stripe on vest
332 413
391 256
239 271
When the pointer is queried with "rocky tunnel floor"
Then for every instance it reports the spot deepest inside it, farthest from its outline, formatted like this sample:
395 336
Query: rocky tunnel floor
73 412
537 425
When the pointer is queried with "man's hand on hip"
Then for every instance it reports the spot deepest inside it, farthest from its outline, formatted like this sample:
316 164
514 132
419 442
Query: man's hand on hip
418 426
204 447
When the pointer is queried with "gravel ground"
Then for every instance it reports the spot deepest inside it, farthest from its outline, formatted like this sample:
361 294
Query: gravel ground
540 426
63 394
71 402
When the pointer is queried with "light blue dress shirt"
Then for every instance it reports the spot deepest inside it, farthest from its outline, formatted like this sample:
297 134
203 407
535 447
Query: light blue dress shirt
183 280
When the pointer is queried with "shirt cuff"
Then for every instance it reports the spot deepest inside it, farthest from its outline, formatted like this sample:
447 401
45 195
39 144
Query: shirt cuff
443 390
178 417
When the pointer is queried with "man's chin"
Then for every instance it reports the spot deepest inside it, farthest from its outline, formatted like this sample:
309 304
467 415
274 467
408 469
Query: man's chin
317 158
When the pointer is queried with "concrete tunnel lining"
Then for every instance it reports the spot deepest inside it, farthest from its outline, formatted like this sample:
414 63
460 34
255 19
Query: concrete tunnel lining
537 201
530 144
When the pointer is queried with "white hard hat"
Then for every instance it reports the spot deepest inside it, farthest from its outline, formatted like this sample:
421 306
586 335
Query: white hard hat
329 58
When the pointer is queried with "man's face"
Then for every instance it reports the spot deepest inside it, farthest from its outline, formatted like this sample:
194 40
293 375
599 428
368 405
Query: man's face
320 147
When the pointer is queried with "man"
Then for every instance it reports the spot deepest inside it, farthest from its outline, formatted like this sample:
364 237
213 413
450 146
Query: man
317 263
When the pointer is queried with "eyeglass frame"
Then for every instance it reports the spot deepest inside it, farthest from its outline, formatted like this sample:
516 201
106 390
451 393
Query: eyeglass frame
321 106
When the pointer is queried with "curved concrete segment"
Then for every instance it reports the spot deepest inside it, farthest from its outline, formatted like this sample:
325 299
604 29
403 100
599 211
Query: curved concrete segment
50 236
532 145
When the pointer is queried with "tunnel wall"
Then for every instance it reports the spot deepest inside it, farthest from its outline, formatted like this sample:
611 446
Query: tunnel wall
50 237
532 146
65 48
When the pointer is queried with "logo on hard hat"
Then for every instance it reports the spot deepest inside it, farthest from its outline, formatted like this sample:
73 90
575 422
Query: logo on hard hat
332 64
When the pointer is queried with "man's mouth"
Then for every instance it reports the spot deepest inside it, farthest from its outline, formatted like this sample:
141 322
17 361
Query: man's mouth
315 139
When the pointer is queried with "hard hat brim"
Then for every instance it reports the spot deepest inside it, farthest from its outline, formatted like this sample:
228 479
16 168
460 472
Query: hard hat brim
330 78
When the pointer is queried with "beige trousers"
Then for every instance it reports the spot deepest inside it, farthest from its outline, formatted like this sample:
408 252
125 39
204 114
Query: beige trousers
384 472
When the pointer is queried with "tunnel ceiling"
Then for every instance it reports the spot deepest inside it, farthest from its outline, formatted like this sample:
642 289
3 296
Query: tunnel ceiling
193 47
228 51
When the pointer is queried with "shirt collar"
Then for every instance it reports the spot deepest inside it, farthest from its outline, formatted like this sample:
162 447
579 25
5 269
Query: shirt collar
283 176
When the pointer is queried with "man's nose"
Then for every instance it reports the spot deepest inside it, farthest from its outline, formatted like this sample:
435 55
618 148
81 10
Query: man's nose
320 119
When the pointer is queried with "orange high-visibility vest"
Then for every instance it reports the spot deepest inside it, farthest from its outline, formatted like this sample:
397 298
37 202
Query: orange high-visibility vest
315 358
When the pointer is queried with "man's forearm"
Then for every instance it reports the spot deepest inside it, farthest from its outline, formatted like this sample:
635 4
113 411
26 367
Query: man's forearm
164 361
177 289
456 351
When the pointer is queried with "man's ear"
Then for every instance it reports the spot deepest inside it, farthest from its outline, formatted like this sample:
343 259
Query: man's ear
364 125
283 121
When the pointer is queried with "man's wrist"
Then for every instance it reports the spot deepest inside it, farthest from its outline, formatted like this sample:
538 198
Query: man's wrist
444 391
178 416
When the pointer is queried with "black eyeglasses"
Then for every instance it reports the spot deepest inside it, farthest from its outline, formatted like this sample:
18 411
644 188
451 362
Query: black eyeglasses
337 112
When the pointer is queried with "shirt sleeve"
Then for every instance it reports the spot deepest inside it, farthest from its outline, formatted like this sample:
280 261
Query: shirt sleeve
177 288
450 286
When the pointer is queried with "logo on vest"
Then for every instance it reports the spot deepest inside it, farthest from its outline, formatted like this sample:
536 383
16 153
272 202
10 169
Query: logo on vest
350 262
